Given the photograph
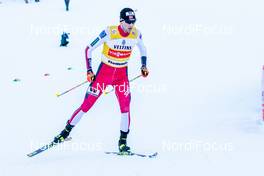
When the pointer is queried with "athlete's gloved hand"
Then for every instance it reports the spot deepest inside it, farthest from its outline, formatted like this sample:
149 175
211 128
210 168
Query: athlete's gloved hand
144 71
90 76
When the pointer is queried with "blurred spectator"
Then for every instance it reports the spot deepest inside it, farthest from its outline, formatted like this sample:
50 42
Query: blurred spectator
67 4
26 1
64 38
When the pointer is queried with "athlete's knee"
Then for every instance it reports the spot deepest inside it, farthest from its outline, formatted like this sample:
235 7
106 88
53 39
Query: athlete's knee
125 107
84 108
86 105
88 102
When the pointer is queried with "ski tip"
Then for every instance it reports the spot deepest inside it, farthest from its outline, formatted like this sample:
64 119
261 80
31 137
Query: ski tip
134 154
30 155
68 138
153 155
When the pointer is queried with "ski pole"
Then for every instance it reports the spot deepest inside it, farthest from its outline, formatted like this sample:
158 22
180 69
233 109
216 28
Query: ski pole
105 92
131 80
60 94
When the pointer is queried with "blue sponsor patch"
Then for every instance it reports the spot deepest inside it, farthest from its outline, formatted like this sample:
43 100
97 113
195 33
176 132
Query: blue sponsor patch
123 42
102 34
95 41
140 36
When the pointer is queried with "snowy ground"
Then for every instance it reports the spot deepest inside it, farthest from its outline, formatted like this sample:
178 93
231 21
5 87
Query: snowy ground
200 110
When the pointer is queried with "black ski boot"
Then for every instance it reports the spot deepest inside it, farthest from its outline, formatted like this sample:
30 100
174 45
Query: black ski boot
64 134
122 143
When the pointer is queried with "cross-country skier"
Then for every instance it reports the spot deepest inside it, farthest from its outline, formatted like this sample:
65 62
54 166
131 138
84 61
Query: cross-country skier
118 43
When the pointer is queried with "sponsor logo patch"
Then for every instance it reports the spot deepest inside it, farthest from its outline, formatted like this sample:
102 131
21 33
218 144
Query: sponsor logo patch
123 42
130 13
92 91
102 34
119 54
114 31
95 41
122 47
115 63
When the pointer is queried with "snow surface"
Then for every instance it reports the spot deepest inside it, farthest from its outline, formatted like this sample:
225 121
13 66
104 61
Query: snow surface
199 108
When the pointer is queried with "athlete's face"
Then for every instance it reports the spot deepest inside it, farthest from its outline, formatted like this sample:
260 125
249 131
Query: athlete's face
127 26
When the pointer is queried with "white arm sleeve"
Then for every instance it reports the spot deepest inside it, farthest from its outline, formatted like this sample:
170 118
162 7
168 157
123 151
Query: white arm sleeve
103 37
141 46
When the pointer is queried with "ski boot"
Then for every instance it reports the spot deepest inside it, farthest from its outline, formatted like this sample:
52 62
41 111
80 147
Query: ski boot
122 144
64 134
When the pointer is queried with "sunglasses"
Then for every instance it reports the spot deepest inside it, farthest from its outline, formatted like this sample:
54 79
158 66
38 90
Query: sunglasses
130 22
